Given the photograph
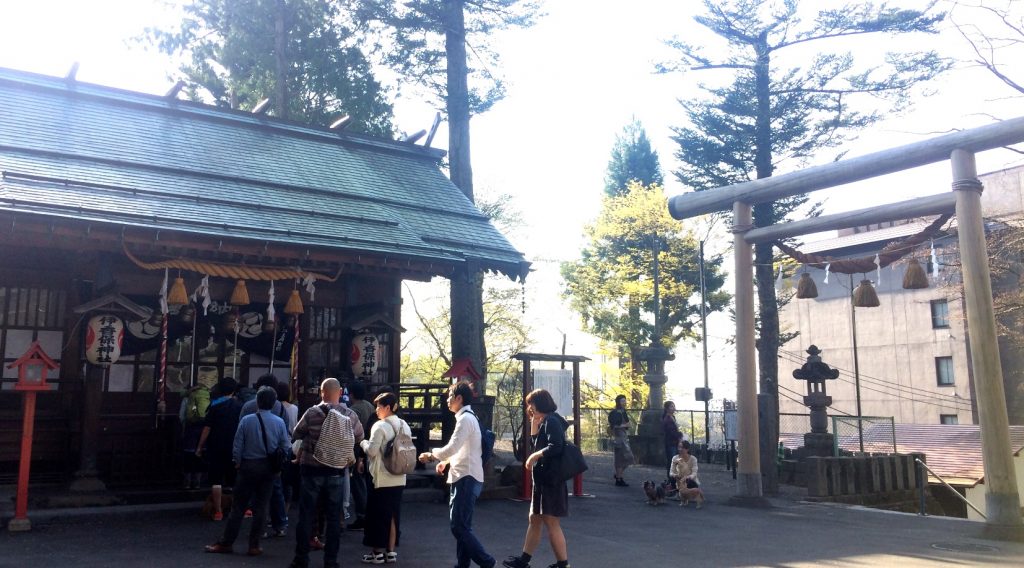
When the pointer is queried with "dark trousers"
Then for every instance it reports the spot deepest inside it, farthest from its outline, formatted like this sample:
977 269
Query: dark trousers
313 486
252 491
464 493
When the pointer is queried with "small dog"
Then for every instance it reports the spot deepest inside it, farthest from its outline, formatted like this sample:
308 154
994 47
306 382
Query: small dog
655 493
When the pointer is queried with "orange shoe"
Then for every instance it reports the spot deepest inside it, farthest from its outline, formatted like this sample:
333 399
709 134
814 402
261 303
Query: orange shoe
218 516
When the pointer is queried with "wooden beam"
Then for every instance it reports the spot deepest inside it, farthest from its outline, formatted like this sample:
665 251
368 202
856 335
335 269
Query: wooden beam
910 209
842 172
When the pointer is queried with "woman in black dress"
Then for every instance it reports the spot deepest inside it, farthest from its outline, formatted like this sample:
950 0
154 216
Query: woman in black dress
550 499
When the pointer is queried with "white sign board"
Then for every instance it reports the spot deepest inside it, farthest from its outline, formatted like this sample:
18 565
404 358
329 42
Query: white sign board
558 382
732 428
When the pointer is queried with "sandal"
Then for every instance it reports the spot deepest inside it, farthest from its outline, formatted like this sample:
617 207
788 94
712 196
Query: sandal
373 558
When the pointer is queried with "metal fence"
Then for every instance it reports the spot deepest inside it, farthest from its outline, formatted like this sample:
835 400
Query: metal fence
594 425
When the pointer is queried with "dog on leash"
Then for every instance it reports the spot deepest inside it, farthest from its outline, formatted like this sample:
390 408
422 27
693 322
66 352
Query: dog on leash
655 493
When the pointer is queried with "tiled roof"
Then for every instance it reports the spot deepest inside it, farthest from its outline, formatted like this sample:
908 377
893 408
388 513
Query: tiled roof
952 451
74 150
880 236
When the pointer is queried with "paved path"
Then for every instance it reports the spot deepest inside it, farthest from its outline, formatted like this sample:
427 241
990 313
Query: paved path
614 528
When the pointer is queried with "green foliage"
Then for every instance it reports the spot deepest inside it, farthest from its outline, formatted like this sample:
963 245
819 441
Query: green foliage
779 115
411 35
233 56
632 160
615 273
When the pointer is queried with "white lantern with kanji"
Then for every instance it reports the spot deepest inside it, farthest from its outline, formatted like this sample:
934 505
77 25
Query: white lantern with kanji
365 355
103 340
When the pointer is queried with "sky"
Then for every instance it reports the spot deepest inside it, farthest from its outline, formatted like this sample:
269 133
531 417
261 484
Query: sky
574 80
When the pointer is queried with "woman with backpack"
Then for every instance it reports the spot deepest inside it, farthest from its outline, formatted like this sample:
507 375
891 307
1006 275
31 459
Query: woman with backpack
387 468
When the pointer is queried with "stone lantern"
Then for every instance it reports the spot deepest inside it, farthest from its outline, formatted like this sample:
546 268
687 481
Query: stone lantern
817 442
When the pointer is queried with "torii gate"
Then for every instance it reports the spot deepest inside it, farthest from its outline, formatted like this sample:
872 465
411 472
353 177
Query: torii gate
1001 499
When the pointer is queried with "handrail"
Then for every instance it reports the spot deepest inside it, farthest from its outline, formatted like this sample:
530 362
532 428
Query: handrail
955 492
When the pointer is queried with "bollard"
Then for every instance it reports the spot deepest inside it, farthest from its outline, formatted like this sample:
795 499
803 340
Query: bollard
922 484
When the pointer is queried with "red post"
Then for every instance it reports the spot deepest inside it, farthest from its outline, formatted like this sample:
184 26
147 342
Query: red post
21 521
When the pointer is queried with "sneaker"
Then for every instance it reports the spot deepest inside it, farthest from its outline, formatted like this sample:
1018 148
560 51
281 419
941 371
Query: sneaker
356 526
619 482
391 557
248 513
555 565
373 558
316 544
515 562
276 533
218 516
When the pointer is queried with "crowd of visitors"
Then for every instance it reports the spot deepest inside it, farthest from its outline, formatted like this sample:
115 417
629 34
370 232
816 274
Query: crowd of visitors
336 458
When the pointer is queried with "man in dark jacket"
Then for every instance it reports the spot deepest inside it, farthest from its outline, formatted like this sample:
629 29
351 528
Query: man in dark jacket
216 440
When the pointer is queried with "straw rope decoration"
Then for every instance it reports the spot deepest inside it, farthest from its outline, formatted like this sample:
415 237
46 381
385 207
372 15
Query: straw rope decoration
889 254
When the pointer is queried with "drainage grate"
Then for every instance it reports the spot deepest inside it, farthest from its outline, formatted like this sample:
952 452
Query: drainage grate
963 547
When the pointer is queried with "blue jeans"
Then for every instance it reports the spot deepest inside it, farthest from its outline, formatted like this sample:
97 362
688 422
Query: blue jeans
464 493
278 513
312 487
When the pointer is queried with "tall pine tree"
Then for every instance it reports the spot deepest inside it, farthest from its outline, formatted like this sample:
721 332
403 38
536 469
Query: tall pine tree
632 160
781 114
428 44
297 53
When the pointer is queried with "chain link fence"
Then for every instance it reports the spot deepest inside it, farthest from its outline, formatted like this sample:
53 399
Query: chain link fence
864 434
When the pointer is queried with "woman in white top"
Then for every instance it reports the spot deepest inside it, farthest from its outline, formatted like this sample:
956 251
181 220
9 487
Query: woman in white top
684 472
384 502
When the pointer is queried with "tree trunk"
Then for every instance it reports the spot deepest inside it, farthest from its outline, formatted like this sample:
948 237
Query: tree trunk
280 62
768 309
467 283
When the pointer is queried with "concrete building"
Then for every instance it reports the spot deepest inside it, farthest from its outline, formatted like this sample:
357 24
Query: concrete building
911 352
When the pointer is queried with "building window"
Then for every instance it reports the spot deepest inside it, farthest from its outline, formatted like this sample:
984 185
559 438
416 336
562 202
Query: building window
948 419
940 314
27 315
944 371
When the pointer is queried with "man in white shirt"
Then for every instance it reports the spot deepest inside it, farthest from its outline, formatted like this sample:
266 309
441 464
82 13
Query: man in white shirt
464 455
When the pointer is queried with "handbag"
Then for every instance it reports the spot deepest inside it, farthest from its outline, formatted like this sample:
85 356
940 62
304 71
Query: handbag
277 459
555 470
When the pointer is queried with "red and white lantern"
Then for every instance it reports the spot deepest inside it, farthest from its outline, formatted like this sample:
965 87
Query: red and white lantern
103 340
365 355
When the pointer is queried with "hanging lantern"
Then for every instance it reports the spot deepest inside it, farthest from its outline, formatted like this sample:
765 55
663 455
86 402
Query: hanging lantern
103 338
865 296
294 305
177 296
806 288
914 278
365 356
240 295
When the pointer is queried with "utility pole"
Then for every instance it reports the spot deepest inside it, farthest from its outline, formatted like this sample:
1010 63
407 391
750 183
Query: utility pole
856 368
704 343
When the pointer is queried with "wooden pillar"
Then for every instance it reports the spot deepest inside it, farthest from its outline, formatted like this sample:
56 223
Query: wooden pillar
748 479
86 478
1001 498
524 438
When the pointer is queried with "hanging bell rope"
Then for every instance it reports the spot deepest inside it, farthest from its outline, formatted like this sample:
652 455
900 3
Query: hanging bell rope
240 295
889 254
178 296
806 288
865 296
914 278
294 305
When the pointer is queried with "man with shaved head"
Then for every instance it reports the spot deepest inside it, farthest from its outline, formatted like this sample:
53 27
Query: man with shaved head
319 480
